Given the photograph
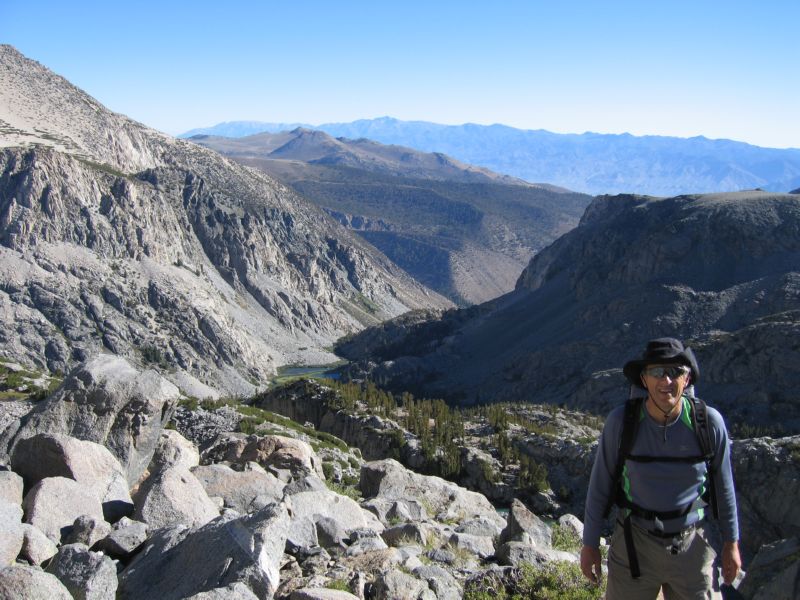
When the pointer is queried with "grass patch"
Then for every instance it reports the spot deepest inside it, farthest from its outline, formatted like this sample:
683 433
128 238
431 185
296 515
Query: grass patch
258 416
556 580
366 304
22 384
338 584
291 373
189 403
345 490
108 169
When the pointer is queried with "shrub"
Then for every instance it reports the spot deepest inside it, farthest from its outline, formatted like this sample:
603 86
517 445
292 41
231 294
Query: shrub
489 586
556 580
344 490
532 475
190 403
153 355
488 472
351 480
338 584
249 426
565 538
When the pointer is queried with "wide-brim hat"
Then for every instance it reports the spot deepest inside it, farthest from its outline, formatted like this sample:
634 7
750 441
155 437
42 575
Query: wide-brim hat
660 352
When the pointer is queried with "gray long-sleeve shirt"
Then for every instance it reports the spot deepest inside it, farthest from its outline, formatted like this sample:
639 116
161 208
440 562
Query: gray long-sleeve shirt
662 486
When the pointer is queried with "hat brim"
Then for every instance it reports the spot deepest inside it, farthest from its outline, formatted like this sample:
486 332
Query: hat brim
633 368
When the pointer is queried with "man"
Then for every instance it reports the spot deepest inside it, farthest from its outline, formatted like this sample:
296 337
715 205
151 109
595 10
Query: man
660 540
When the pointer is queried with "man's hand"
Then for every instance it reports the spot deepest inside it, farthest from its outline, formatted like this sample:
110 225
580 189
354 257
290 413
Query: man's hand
731 561
590 564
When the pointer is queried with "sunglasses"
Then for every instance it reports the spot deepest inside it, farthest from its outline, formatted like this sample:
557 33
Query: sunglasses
671 372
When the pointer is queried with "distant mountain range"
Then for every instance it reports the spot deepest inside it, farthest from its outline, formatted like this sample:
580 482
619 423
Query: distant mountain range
463 231
591 163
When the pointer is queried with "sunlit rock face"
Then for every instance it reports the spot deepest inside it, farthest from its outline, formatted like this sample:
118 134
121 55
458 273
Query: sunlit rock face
117 238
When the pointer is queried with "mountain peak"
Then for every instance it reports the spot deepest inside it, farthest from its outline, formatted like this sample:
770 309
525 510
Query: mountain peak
42 108
118 238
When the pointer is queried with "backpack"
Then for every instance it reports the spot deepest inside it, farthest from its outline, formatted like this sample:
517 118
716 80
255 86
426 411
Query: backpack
630 427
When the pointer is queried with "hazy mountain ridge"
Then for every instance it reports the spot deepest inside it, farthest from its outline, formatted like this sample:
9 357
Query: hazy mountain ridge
116 237
591 163
463 231
317 147
718 270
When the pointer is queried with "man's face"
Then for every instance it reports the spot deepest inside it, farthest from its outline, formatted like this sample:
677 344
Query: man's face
665 383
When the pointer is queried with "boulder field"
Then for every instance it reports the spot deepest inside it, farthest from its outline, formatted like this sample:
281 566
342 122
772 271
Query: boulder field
101 500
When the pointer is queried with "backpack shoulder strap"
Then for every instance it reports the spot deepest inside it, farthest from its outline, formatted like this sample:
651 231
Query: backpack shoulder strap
630 426
701 427
703 432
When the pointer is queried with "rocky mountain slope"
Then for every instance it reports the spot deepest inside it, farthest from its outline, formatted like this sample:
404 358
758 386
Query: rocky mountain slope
106 496
592 163
116 237
230 514
463 231
720 271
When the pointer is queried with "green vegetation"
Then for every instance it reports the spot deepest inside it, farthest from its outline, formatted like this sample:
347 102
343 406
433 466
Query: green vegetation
153 355
532 475
23 384
338 584
566 539
556 580
489 473
440 429
503 415
742 431
291 373
108 169
366 304
189 402
256 418
350 491
794 451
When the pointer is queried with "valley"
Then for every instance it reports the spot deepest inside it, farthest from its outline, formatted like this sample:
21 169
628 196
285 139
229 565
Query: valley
461 231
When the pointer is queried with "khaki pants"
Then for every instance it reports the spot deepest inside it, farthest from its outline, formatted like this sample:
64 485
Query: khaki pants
683 568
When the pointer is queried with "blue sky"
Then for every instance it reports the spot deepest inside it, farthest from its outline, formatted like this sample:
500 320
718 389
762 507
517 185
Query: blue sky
703 67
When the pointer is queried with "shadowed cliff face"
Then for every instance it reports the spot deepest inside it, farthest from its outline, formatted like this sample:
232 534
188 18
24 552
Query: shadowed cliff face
720 271
115 237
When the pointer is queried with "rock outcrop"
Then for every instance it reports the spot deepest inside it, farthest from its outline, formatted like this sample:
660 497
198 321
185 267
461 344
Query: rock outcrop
442 499
767 476
108 401
247 549
774 573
